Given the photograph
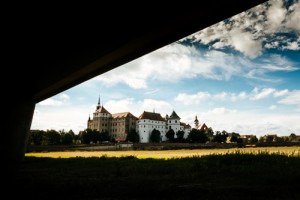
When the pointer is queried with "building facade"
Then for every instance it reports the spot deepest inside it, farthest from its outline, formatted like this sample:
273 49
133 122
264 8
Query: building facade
117 125
148 121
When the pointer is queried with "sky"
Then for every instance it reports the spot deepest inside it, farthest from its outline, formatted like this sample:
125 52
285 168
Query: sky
240 75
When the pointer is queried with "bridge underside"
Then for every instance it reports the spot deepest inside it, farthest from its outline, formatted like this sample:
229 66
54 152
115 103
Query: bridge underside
62 48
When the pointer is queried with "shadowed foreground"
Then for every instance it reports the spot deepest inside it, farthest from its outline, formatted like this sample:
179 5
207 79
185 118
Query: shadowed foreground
230 176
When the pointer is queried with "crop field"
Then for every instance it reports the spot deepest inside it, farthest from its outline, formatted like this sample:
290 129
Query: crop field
167 154
245 173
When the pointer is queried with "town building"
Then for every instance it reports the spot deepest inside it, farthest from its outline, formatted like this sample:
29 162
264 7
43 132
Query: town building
148 121
117 125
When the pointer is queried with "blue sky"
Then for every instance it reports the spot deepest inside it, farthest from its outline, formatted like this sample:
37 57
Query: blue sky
241 75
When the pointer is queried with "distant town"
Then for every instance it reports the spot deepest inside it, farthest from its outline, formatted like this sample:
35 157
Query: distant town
149 127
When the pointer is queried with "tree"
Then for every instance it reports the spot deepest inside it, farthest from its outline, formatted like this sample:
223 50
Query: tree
180 136
220 137
105 137
133 136
170 135
210 133
253 139
67 139
36 137
269 138
278 139
155 136
86 136
53 137
292 136
197 135
234 137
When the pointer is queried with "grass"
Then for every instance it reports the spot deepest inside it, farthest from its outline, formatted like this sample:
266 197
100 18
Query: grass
167 153
232 175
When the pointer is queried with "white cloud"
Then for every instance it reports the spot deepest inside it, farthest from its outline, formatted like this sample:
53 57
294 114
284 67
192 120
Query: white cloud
292 98
249 122
256 94
57 100
292 45
250 31
273 107
275 15
280 93
173 63
264 93
220 111
293 19
62 117
188 99
245 43
158 105
137 107
177 62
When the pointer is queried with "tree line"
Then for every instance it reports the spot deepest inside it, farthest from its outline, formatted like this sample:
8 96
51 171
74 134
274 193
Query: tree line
88 136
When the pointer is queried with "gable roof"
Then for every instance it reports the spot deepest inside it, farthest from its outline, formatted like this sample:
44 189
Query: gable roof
151 116
174 115
101 109
123 115
185 125
203 127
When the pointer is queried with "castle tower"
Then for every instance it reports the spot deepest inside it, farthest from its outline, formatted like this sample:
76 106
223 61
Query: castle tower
196 122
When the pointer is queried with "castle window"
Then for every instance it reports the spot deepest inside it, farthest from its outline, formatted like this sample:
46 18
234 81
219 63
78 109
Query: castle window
175 121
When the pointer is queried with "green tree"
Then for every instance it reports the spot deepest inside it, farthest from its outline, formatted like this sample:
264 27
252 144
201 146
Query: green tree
36 137
261 139
292 136
53 137
86 136
133 136
67 139
210 133
197 135
269 138
278 139
155 136
180 136
170 135
105 137
220 137
253 139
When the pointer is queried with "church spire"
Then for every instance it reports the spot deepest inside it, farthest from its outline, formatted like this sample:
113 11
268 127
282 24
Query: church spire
196 122
98 106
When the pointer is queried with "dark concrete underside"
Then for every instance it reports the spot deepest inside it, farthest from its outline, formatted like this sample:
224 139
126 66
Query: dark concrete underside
59 48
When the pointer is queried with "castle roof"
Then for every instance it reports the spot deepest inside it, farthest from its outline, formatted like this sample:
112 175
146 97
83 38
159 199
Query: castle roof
203 127
101 109
123 115
151 116
174 115
185 125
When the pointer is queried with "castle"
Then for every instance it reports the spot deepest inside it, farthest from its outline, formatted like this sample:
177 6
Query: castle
118 125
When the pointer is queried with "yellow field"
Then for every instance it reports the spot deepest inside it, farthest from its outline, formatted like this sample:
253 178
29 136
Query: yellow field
291 151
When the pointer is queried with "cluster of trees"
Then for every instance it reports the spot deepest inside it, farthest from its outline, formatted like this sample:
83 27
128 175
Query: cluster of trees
53 137
275 138
88 136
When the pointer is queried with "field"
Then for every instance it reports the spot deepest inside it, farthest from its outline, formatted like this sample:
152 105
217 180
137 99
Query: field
247 173
168 153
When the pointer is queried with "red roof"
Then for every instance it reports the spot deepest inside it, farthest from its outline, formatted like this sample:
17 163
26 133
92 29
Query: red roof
101 109
185 125
151 116
123 115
